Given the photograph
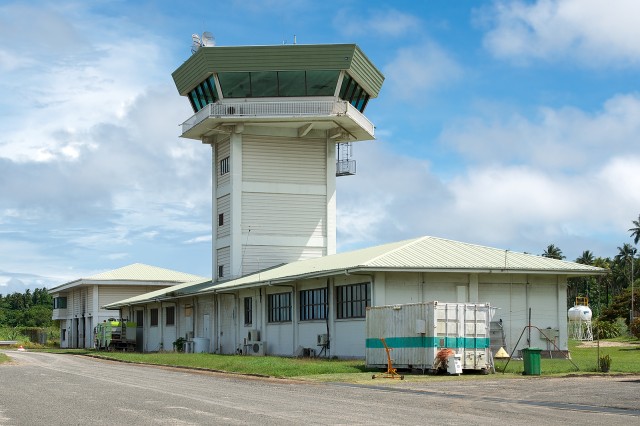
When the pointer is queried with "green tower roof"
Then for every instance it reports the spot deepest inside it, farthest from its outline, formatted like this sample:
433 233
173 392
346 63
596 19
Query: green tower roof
297 57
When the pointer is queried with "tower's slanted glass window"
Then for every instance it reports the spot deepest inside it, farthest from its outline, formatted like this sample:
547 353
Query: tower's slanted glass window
264 84
322 83
291 83
351 92
203 94
235 84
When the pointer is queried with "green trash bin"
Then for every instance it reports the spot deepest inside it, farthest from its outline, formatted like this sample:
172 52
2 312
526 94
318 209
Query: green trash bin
531 358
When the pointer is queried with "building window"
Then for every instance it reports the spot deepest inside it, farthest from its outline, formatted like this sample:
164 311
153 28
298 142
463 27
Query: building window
313 304
221 219
139 318
154 317
248 310
352 300
170 315
224 166
63 334
60 303
280 307
220 271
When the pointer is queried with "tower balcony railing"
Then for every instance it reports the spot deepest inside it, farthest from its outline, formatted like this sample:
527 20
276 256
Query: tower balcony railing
291 109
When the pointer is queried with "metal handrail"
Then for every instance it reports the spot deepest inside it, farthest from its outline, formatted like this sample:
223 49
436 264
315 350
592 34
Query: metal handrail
269 109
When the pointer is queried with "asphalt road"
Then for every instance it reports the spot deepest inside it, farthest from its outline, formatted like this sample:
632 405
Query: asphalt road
40 388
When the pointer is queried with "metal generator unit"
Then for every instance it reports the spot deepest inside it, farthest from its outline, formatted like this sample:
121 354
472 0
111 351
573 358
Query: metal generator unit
417 332
115 335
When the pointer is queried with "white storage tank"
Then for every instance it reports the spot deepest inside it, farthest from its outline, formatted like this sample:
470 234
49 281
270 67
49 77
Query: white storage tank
580 313
417 331
200 345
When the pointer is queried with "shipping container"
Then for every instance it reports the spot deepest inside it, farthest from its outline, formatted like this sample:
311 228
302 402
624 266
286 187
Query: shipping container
416 332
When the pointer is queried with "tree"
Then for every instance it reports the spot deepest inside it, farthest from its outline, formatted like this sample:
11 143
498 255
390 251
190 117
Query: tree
586 258
553 252
635 232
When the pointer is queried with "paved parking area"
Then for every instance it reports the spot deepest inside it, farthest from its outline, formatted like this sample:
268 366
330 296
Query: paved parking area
52 389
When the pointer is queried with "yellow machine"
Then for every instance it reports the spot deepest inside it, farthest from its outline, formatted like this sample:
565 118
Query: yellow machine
391 372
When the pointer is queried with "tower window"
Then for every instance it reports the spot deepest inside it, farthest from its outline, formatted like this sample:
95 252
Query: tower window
220 271
221 219
248 310
224 166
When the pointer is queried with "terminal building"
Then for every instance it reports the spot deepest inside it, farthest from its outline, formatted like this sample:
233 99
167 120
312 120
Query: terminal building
279 122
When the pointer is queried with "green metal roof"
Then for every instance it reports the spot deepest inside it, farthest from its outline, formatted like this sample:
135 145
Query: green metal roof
162 294
425 254
208 60
134 273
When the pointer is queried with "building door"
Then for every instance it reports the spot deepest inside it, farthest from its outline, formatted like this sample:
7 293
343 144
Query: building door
140 330
205 326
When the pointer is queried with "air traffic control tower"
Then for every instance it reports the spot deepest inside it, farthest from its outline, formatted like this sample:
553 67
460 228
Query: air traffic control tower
278 120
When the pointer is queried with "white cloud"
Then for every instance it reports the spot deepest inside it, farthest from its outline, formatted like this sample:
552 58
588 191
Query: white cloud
594 32
566 139
419 69
90 160
201 239
565 177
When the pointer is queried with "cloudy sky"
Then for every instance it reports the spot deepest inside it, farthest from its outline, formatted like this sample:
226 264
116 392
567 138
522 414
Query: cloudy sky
512 124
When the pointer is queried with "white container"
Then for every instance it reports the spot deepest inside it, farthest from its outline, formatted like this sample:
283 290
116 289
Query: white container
416 332
580 313
200 345
454 364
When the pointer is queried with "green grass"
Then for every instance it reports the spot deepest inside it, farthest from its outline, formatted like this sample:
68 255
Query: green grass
625 359
4 358
264 365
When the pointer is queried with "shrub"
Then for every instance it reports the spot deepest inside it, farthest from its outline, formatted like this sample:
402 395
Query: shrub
634 328
605 330
605 363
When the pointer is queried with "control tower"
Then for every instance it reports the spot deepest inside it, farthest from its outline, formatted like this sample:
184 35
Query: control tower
274 116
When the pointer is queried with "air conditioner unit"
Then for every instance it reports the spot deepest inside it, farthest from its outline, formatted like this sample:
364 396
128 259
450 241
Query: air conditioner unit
255 348
253 335
323 339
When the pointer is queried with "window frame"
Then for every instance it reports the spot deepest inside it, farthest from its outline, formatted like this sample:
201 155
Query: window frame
279 307
170 316
313 304
153 317
352 300
224 166
60 302
248 311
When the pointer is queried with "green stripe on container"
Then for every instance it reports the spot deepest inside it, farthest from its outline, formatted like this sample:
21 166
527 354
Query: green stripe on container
430 342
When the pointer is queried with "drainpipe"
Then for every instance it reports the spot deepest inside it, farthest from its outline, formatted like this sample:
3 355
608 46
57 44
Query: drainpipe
160 324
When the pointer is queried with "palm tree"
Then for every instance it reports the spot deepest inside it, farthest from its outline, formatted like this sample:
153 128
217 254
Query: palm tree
625 253
635 232
553 252
586 258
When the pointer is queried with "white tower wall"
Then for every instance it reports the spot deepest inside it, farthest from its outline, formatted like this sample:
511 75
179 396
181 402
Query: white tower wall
277 199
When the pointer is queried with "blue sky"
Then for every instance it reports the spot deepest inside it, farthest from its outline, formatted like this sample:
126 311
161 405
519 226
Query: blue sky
509 124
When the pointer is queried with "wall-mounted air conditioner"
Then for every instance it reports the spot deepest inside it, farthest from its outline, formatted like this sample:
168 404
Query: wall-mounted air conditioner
323 339
255 348
253 335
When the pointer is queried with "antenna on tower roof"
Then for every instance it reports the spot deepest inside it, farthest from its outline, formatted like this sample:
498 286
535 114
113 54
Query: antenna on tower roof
207 40
196 43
